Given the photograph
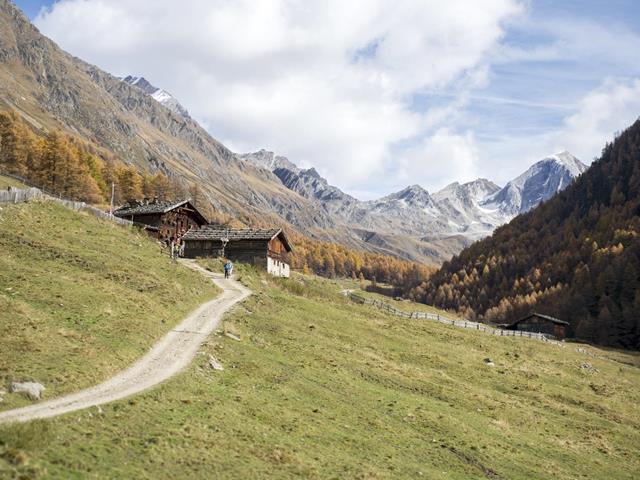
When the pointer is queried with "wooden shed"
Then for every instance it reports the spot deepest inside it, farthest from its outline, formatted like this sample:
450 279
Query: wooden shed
266 248
167 221
536 322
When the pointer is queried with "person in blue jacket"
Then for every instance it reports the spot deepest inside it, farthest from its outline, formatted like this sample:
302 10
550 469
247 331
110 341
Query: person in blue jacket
228 267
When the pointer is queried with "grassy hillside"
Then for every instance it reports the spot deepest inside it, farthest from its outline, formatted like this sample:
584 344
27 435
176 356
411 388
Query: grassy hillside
81 298
319 387
10 182
405 305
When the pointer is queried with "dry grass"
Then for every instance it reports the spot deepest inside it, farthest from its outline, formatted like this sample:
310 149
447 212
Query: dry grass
6 182
319 387
81 298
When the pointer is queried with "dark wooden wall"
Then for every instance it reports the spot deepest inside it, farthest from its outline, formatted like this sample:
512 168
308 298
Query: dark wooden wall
245 251
171 225
536 324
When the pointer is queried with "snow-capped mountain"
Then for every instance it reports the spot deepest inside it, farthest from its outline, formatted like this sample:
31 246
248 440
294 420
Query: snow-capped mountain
460 204
305 182
160 95
268 160
413 197
470 210
539 183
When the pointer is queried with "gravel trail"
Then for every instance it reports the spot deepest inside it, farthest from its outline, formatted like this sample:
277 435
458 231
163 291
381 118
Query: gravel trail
167 357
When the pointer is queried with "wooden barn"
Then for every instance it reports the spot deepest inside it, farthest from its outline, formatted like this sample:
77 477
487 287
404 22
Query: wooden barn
167 221
266 248
536 322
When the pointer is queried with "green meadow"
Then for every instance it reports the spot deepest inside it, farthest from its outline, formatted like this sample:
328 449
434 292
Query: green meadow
82 298
314 385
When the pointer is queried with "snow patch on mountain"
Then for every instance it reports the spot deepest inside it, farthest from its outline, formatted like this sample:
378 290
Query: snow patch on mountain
161 96
539 183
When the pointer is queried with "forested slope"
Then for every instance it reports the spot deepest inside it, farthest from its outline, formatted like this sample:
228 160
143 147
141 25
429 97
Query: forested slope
576 257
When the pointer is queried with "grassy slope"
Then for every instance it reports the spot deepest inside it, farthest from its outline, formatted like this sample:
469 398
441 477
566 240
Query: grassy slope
10 182
405 306
81 298
320 387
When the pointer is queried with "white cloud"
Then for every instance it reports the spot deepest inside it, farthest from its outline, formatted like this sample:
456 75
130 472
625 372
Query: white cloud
598 115
610 108
440 159
327 83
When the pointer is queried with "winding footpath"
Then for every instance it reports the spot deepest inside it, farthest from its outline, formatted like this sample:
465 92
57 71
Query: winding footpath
167 357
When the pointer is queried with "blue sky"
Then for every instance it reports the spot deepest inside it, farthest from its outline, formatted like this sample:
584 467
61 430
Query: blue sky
378 94
32 7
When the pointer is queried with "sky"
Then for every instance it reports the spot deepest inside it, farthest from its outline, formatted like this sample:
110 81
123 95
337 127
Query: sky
377 94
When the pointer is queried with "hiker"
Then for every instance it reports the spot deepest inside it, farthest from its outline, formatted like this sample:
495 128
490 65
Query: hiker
228 267
181 253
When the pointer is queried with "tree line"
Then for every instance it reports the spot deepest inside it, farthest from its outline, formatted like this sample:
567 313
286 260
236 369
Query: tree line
68 167
575 257
333 260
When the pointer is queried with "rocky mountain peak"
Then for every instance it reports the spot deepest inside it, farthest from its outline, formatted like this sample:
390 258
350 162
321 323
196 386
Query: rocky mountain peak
540 182
412 193
268 160
413 196
473 191
312 172
161 96
575 166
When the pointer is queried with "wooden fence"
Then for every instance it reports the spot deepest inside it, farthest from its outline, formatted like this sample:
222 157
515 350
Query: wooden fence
450 321
15 195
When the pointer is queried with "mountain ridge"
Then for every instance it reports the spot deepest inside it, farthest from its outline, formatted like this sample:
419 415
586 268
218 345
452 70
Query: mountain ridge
471 210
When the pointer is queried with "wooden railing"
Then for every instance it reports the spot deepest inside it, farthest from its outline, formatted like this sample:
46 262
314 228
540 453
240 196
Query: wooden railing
450 321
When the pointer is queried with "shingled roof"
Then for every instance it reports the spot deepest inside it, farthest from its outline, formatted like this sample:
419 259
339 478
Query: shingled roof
153 207
216 232
546 317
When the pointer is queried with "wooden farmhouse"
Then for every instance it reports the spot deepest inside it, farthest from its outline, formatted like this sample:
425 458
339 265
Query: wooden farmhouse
536 322
166 221
265 248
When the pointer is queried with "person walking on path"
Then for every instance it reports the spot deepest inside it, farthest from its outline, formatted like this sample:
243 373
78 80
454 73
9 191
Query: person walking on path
175 249
228 267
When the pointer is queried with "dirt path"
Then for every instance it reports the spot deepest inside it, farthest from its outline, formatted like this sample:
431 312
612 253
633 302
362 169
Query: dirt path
171 354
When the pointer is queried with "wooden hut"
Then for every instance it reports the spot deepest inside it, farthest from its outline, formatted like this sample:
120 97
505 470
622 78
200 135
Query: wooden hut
167 221
536 322
266 248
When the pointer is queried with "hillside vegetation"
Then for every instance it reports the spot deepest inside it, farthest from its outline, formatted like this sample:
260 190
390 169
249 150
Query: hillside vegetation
81 298
320 387
6 182
71 168
576 257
